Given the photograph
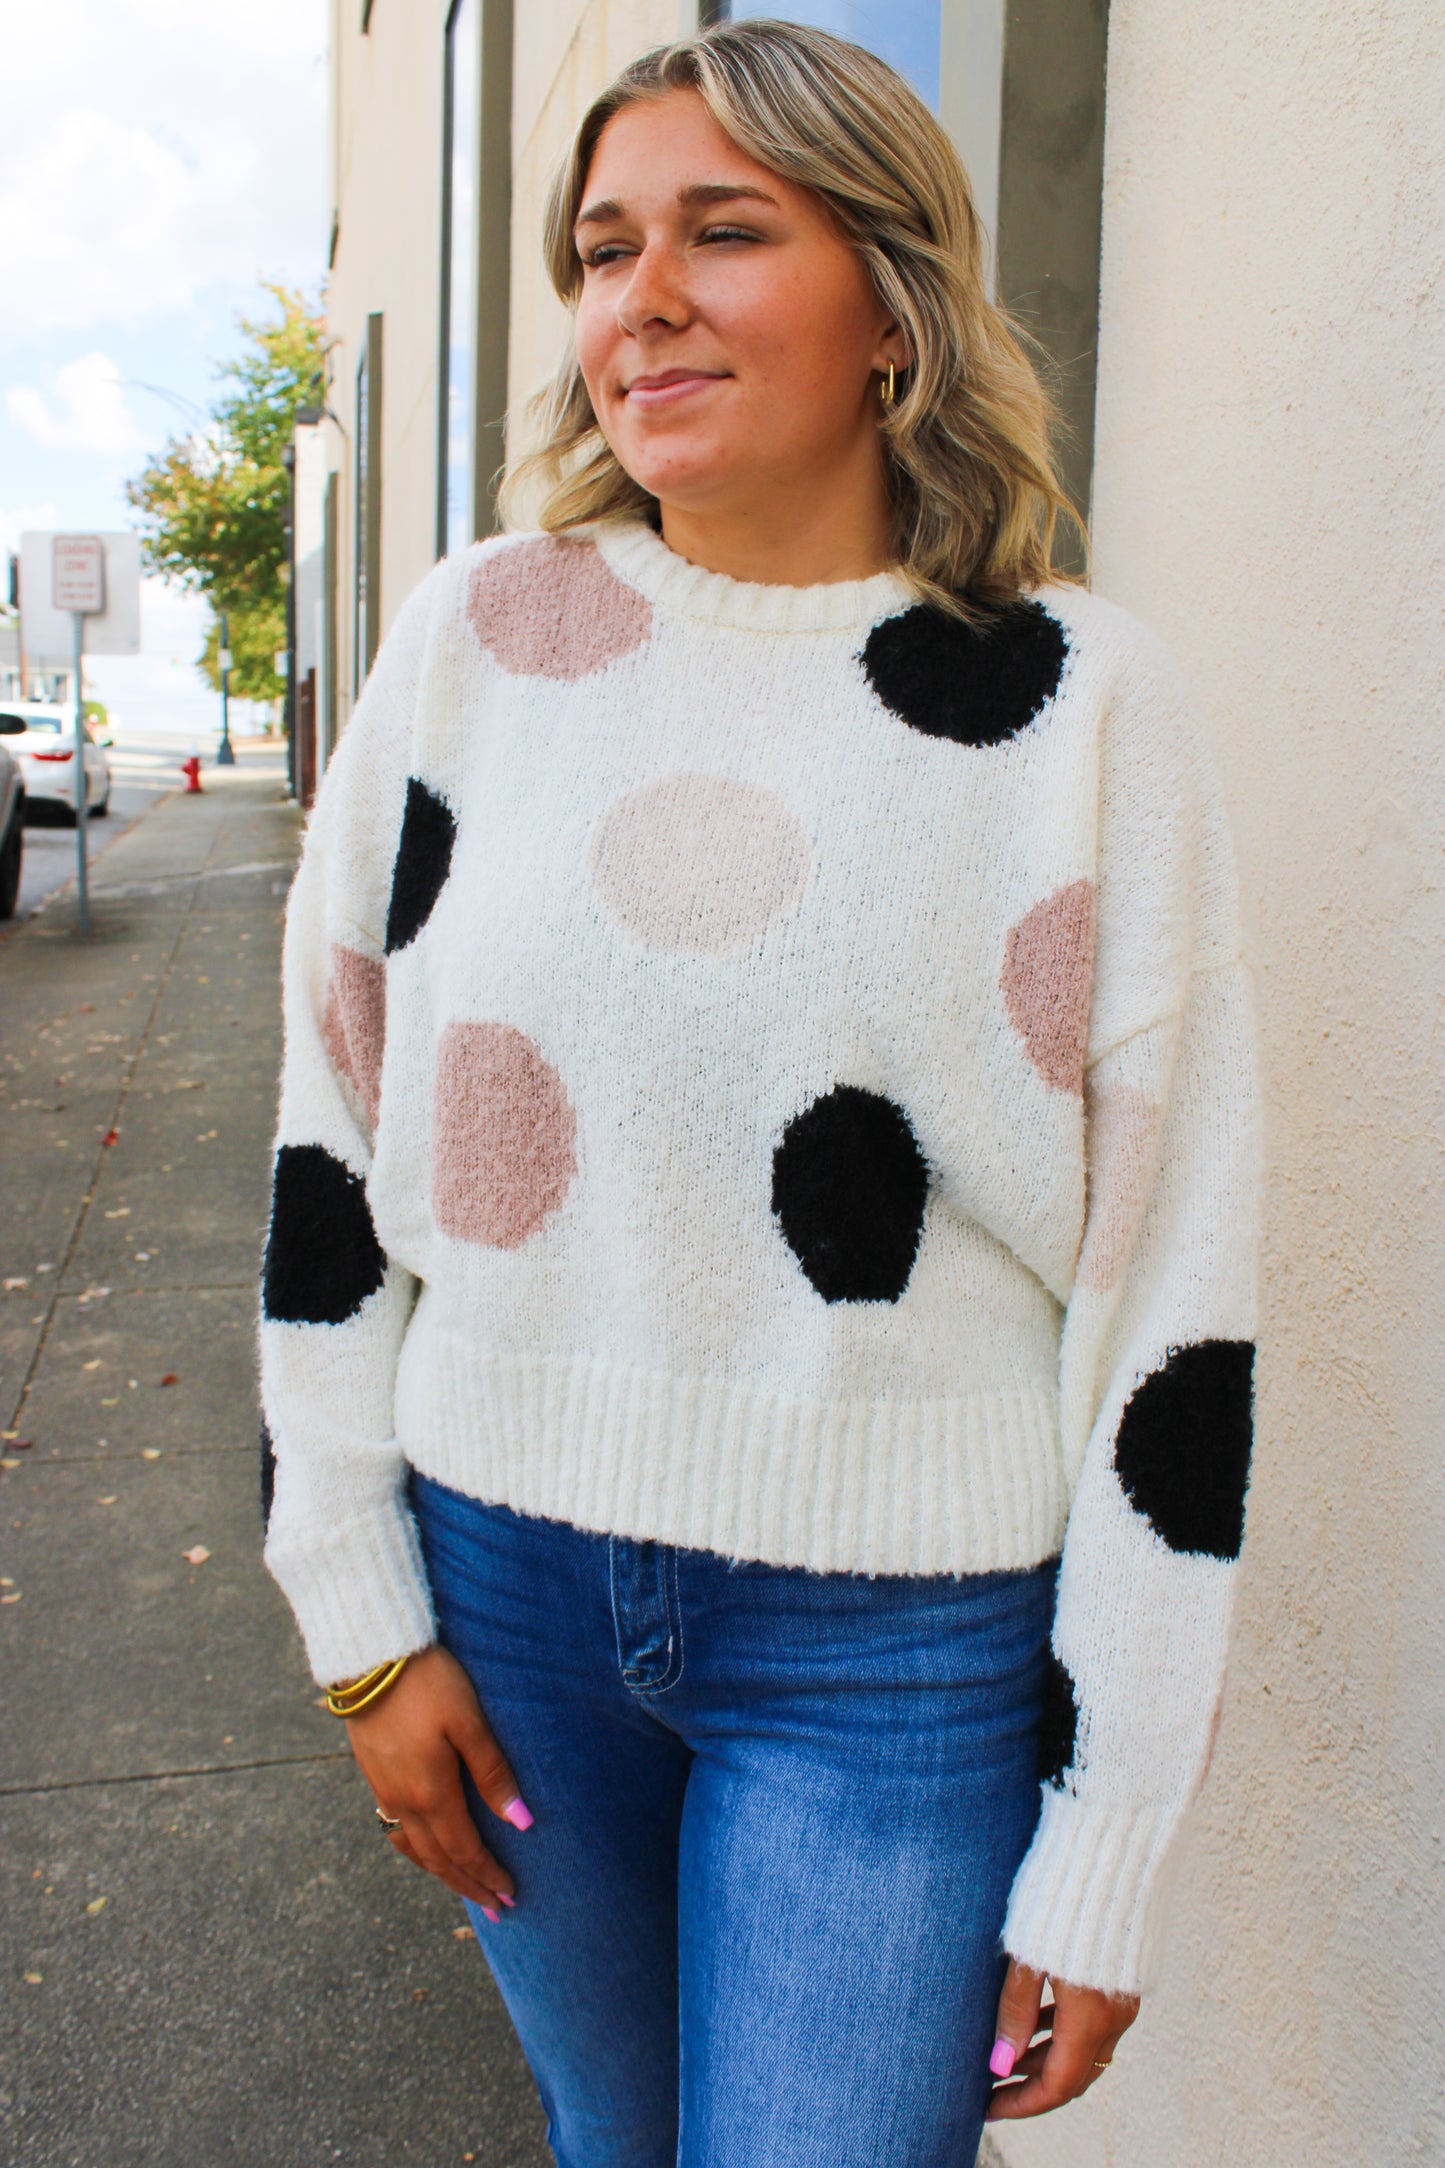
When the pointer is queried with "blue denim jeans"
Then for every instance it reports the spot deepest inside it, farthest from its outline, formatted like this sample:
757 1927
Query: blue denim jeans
777 1817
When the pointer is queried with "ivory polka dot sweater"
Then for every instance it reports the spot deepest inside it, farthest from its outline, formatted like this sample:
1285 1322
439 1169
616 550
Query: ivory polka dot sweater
772 1069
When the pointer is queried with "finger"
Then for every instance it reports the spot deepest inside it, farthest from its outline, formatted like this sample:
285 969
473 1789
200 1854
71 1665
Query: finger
491 1772
1065 2071
430 1855
454 1830
1029 2064
1018 2016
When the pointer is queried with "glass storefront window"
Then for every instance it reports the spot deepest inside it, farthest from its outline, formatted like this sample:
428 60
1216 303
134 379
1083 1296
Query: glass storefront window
905 33
457 520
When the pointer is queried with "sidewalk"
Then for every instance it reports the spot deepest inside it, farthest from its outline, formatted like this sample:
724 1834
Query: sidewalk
210 1957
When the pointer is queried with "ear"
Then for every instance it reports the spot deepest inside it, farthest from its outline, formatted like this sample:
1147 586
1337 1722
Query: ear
893 346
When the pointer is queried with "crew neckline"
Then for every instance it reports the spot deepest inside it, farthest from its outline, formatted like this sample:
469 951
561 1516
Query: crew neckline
639 555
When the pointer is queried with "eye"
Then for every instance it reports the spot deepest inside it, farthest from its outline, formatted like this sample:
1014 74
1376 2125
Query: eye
604 253
728 233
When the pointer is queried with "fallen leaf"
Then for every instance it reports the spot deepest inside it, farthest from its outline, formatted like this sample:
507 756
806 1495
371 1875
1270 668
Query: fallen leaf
33 1979
150 1452
122 1211
87 1008
463 1934
112 1136
16 1287
93 1364
6 1462
97 1904
94 1294
197 1554
105 1501
6 1581
110 1403
13 1597
419 1994
170 1378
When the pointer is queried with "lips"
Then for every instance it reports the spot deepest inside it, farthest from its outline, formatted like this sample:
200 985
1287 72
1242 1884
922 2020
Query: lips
670 384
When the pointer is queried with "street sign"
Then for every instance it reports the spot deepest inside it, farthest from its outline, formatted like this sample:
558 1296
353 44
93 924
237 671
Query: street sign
79 594
77 578
46 624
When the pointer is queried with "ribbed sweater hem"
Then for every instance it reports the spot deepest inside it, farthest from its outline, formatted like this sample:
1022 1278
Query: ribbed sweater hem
966 1484
1085 1905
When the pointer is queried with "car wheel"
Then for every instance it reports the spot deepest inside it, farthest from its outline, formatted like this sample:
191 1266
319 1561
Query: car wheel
10 860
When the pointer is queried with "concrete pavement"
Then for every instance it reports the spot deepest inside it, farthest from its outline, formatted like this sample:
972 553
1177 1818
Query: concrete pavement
208 1954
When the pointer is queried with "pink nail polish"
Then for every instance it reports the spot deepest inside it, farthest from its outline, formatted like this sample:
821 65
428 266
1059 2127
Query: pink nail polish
1002 2060
494 1917
517 1814
509 1902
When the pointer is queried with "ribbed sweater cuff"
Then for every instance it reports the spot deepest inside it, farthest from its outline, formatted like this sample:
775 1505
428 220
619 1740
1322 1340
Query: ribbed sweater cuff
358 1589
1085 1903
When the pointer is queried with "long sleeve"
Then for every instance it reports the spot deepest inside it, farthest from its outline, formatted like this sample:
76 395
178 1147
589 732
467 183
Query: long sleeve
340 1537
1156 1360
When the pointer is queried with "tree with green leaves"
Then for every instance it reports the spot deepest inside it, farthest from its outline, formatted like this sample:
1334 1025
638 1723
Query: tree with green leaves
213 506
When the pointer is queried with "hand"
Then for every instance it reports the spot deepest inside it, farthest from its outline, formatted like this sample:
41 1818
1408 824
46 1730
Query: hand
1081 2031
411 1745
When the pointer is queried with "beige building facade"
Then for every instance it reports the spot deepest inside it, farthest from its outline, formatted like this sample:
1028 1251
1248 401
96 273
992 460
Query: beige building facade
1253 224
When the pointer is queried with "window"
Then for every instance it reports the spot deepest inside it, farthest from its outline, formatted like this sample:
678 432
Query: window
456 518
476 267
905 33
368 502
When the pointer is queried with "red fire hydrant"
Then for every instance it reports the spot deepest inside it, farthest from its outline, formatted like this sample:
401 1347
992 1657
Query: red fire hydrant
191 770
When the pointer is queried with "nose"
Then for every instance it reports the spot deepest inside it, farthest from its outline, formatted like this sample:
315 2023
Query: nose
655 295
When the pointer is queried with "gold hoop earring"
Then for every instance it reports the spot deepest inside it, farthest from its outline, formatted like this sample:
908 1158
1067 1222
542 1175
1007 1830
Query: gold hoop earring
885 387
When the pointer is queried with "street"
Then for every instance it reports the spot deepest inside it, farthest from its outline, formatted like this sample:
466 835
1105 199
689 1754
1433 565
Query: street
211 1958
144 766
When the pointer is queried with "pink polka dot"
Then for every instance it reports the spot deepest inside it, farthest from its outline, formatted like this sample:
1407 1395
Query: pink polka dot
504 1136
552 608
698 863
353 1023
1047 982
1121 1125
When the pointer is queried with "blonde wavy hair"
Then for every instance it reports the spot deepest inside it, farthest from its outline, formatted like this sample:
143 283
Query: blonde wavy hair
976 497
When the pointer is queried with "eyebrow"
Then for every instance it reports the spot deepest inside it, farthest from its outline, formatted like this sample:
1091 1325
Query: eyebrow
698 195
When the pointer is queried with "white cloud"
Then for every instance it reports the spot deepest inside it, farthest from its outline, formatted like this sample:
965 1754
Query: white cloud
153 148
14 524
90 412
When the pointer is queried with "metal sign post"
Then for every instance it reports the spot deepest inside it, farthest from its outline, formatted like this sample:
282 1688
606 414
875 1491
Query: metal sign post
77 584
225 751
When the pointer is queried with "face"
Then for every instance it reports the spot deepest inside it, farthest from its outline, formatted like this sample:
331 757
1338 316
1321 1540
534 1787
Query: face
729 336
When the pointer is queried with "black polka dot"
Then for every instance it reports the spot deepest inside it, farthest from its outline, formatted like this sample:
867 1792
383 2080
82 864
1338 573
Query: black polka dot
849 1188
976 684
1058 1722
322 1255
423 861
1184 1442
268 1473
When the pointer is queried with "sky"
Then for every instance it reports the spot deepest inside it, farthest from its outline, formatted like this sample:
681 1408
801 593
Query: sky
159 159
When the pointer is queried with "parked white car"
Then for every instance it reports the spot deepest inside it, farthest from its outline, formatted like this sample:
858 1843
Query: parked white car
12 828
44 745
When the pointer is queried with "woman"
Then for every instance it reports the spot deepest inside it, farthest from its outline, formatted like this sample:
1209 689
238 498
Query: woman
759 1300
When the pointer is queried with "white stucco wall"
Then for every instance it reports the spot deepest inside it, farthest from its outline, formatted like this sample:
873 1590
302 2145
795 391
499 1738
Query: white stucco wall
1269 497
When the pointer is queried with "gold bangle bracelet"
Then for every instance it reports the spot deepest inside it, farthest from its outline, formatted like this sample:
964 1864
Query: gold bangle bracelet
351 1700
345 1688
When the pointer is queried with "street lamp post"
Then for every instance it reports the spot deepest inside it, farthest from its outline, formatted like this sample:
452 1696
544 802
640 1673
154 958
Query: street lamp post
225 751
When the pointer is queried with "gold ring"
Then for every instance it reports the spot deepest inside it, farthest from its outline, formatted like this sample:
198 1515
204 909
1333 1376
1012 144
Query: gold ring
1103 2066
389 1822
